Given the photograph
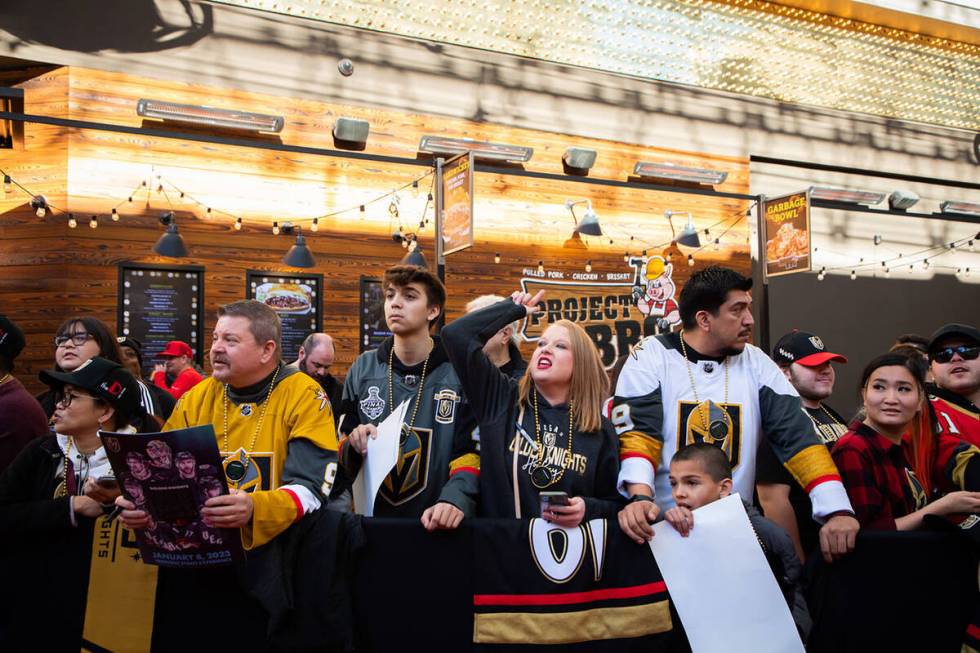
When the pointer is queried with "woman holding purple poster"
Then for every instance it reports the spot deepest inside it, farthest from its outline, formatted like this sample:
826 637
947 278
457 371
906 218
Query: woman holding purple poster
50 499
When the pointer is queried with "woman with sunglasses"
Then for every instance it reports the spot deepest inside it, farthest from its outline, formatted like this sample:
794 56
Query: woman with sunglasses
539 436
49 499
79 339
896 468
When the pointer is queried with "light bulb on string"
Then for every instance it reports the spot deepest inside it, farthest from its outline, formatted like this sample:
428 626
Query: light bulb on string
72 222
966 272
540 267
588 265
40 205
854 275
626 257
275 228
888 272
8 184
690 260
238 224
208 212
393 206
925 264
496 257
362 211
415 187
315 226
94 222
130 199
820 275
115 215
717 244
972 248
877 239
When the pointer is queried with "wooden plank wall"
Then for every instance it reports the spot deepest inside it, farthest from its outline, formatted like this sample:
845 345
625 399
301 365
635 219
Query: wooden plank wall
50 272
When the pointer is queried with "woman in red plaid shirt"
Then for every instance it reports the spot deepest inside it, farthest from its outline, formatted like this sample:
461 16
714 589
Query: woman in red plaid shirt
886 490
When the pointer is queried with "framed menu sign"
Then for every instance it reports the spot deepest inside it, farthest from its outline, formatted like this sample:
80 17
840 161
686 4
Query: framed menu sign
160 303
787 231
296 298
374 327
457 194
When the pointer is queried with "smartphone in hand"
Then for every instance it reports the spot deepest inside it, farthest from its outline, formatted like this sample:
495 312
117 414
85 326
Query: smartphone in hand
548 499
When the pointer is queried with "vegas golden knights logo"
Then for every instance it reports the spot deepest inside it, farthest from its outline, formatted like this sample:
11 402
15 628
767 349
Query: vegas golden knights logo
711 423
918 494
411 472
255 474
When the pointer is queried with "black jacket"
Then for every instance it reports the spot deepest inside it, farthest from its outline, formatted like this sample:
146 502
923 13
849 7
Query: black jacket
42 555
590 470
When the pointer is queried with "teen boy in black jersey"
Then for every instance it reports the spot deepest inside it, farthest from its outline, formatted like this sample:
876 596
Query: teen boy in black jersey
411 365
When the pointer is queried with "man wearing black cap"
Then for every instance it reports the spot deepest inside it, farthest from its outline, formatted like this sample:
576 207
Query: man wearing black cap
23 418
954 357
131 352
804 360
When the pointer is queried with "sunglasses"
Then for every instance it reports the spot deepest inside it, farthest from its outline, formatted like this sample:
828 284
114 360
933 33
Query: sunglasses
966 353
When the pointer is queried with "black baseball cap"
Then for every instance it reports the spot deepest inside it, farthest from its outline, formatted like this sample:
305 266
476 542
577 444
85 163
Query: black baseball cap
948 331
11 338
134 344
803 348
104 379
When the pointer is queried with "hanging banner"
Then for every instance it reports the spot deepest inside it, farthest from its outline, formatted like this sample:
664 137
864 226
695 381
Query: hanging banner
457 194
787 231
160 303
296 299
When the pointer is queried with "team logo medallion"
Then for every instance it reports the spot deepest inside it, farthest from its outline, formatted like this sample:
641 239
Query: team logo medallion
549 438
411 380
242 472
446 401
246 410
411 473
816 342
719 425
373 405
709 367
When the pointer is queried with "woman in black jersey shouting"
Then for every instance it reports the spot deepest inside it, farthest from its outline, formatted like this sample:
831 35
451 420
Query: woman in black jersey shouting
544 433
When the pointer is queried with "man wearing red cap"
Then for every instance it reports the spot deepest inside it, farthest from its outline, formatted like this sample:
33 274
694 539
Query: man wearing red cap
177 356
805 361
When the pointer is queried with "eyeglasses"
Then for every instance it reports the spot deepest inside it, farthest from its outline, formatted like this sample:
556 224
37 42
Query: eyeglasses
77 339
69 397
966 353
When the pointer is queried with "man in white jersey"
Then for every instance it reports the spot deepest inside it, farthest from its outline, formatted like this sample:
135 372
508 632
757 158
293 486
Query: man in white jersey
707 384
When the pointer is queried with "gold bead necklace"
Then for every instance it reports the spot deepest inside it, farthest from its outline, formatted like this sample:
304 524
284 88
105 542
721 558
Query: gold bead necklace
237 472
694 389
541 474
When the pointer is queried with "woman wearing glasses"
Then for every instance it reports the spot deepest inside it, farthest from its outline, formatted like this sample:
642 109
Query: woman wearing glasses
49 499
79 339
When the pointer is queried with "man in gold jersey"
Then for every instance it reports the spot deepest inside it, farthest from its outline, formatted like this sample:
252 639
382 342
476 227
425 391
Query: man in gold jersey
274 427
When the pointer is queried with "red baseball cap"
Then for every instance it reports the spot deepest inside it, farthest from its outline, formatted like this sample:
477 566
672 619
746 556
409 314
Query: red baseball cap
176 348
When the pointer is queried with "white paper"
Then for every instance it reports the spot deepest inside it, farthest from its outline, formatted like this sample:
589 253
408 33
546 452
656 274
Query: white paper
382 454
722 585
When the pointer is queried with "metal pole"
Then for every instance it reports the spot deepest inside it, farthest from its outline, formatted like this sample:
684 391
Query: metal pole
440 255
760 282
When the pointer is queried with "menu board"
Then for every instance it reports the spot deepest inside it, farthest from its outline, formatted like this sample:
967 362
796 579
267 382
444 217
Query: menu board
787 231
374 327
457 200
296 298
159 303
